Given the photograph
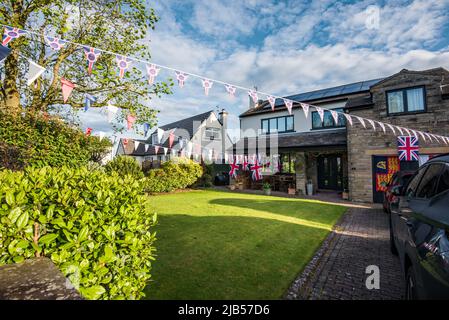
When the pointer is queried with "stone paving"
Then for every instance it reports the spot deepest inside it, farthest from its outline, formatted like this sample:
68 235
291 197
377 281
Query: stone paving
337 271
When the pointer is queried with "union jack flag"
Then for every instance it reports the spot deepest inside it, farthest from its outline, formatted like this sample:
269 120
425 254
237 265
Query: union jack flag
408 148
234 168
92 55
10 34
256 169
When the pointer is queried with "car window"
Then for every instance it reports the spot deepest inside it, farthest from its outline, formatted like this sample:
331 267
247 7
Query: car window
443 184
427 186
411 187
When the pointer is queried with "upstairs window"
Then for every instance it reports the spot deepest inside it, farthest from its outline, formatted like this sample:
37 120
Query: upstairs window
278 124
212 133
328 121
409 100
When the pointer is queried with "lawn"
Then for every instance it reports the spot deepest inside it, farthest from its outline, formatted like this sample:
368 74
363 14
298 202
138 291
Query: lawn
223 245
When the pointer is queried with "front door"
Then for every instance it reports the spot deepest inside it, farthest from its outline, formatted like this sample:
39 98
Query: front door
330 174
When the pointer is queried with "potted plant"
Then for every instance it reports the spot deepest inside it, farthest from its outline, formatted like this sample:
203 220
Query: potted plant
309 187
345 193
291 189
267 188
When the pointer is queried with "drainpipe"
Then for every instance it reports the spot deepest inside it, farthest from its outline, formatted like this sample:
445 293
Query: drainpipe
223 118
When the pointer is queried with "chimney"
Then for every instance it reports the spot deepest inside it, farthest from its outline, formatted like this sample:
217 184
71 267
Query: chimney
223 118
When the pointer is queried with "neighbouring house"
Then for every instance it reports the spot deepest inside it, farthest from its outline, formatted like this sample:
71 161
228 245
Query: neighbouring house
204 131
337 156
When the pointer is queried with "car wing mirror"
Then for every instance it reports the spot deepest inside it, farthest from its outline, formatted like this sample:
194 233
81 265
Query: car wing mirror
397 190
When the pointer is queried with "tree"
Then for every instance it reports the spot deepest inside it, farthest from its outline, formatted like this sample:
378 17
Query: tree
115 26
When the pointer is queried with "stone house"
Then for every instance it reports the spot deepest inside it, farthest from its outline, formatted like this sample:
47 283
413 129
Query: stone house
336 156
205 130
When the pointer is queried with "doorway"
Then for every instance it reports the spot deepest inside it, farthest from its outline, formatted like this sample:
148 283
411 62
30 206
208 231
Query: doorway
330 173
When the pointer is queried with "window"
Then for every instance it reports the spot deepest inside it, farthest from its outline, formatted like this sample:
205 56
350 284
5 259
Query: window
406 100
411 187
212 133
443 184
278 124
328 121
154 139
429 181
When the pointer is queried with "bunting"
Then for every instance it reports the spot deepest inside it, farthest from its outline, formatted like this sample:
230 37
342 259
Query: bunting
146 128
136 144
4 52
348 118
88 132
34 72
92 55
289 104
230 90
254 96
207 85
335 116
305 108
10 34
112 111
152 72
256 169
130 119
88 100
171 139
181 77
54 43
67 88
272 101
123 64
320 112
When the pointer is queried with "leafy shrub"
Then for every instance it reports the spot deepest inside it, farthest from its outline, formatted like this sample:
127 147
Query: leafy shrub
39 140
94 226
172 175
124 165
206 179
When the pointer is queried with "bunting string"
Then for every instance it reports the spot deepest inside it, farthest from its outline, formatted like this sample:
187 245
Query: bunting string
182 76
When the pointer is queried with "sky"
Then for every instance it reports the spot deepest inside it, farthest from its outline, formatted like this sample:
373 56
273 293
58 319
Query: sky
285 48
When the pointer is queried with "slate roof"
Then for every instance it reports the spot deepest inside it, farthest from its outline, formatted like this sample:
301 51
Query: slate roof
333 92
182 126
303 140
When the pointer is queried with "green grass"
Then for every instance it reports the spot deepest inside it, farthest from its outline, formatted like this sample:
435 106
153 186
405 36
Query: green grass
223 245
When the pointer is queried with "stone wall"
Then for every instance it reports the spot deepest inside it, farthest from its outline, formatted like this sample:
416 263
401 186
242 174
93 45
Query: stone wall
364 143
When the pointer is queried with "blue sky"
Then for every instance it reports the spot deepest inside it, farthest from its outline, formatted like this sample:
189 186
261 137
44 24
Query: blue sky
287 47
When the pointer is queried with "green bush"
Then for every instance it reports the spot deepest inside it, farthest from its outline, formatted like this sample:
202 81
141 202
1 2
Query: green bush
124 165
206 180
94 226
38 140
172 175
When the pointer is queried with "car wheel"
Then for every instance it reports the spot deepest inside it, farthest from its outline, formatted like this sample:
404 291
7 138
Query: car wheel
393 248
410 285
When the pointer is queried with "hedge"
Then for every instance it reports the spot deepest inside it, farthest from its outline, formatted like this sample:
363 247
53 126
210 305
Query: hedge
40 140
172 175
93 225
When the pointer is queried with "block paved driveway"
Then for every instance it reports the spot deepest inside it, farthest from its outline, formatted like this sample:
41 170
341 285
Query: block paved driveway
337 271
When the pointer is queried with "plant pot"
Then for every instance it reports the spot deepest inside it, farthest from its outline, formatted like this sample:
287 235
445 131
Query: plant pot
232 187
345 195
267 192
291 191
309 189
240 186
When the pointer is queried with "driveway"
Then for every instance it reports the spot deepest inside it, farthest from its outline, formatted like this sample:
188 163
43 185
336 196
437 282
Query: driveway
337 271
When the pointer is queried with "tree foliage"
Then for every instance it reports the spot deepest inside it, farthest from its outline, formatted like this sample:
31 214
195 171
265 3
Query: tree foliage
116 26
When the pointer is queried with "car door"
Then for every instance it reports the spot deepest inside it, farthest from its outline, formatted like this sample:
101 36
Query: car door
430 235
401 207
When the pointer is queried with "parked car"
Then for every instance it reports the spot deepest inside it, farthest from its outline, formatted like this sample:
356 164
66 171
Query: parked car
419 230
400 178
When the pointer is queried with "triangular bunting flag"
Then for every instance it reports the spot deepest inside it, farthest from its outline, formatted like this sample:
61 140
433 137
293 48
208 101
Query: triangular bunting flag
171 139
207 85
156 149
4 52
92 55
320 112
136 144
289 104
10 34
335 116
165 151
101 135
88 100
253 95
361 121
146 128
67 88
371 122
123 63
34 71
381 125
146 147
54 43
112 111
152 72
272 101
305 108
160 134
181 77
230 90
392 128
348 118
130 119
